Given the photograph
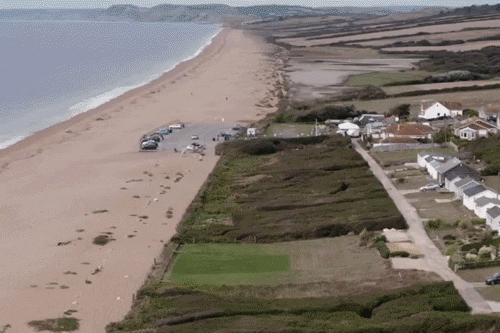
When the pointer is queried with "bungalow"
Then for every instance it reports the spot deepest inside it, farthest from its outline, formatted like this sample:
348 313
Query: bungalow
475 129
483 204
365 119
349 129
414 131
493 217
441 109
471 194
461 170
450 180
374 130
445 167
489 111
463 185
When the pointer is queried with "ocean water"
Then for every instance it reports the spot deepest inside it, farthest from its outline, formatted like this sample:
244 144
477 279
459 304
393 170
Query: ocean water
51 71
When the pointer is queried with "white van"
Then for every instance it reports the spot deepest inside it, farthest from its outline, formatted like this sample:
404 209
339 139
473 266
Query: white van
176 126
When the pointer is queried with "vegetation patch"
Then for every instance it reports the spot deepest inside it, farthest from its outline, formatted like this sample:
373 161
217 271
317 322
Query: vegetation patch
68 324
102 240
308 188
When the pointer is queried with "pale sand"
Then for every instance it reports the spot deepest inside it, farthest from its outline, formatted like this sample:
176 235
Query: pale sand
51 183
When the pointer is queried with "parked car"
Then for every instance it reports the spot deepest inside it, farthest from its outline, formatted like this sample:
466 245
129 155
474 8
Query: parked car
149 145
164 131
194 137
176 126
155 137
430 187
494 279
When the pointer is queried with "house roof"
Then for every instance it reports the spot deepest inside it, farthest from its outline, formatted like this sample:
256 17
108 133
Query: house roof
399 139
474 190
464 182
435 164
452 105
483 201
476 125
448 165
461 171
494 212
453 176
348 126
408 129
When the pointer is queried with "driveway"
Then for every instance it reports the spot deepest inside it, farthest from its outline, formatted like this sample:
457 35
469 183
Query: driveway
432 256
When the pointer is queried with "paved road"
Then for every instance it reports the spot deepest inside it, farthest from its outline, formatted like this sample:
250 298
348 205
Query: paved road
435 260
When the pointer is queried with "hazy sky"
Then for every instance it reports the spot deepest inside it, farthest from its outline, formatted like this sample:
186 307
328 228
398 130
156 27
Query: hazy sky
311 3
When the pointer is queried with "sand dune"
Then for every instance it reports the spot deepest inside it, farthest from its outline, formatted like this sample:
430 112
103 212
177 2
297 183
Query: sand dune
66 185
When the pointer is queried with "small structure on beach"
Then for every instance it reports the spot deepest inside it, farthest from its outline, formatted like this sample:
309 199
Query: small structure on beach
251 132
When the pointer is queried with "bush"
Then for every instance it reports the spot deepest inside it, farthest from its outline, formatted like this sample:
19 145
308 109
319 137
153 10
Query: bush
102 240
383 249
434 224
401 180
449 303
403 254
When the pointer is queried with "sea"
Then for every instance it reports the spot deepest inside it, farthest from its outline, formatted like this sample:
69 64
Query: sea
51 71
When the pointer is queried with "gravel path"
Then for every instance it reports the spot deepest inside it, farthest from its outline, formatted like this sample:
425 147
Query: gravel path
433 257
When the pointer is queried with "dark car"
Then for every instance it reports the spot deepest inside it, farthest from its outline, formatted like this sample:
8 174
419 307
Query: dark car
494 279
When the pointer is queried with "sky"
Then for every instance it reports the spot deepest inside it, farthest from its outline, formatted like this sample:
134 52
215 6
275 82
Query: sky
310 3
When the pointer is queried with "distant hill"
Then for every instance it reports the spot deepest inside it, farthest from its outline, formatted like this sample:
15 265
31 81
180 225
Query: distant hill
211 13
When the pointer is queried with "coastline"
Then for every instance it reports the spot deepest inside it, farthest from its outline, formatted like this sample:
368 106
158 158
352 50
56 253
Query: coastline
212 46
55 184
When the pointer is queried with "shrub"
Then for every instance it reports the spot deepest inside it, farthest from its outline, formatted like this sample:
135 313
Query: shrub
478 222
434 224
403 254
471 257
383 249
102 240
449 303
68 324
401 180
451 250
380 238
484 253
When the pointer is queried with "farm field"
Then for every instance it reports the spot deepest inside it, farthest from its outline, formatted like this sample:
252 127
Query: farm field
434 37
430 86
469 46
381 78
338 260
441 28
469 99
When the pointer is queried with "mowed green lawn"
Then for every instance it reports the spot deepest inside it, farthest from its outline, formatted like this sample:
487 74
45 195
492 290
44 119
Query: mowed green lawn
328 259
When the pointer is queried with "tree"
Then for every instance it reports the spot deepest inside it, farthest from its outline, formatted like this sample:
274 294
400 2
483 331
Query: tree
402 111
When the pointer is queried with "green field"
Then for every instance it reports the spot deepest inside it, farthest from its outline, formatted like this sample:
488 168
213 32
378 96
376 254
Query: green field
382 78
289 130
406 156
278 263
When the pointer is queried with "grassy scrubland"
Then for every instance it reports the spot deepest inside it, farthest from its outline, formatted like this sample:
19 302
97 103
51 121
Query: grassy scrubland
383 78
274 190
428 308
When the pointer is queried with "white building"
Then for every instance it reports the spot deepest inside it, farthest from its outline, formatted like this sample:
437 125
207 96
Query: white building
463 185
349 129
450 184
483 204
441 109
471 194
475 129
493 218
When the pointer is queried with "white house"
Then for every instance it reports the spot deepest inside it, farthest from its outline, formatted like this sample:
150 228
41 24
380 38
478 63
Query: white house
463 185
441 109
450 183
483 204
493 217
471 194
349 129
374 129
445 167
370 118
475 129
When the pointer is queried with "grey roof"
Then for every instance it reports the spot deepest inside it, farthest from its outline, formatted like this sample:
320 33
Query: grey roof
453 176
435 164
428 158
448 165
483 201
494 212
464 181
474 190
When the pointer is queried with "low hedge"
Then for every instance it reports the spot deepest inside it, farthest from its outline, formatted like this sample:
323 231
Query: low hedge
479 264
477 246
383 249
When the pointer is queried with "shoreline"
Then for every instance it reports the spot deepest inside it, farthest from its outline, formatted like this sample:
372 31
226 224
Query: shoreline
213 44
68 184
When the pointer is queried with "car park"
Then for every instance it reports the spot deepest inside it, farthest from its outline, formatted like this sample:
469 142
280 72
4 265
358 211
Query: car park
430 187
494 279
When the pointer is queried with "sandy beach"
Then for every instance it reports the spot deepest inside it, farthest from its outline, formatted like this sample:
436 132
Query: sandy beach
66 185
